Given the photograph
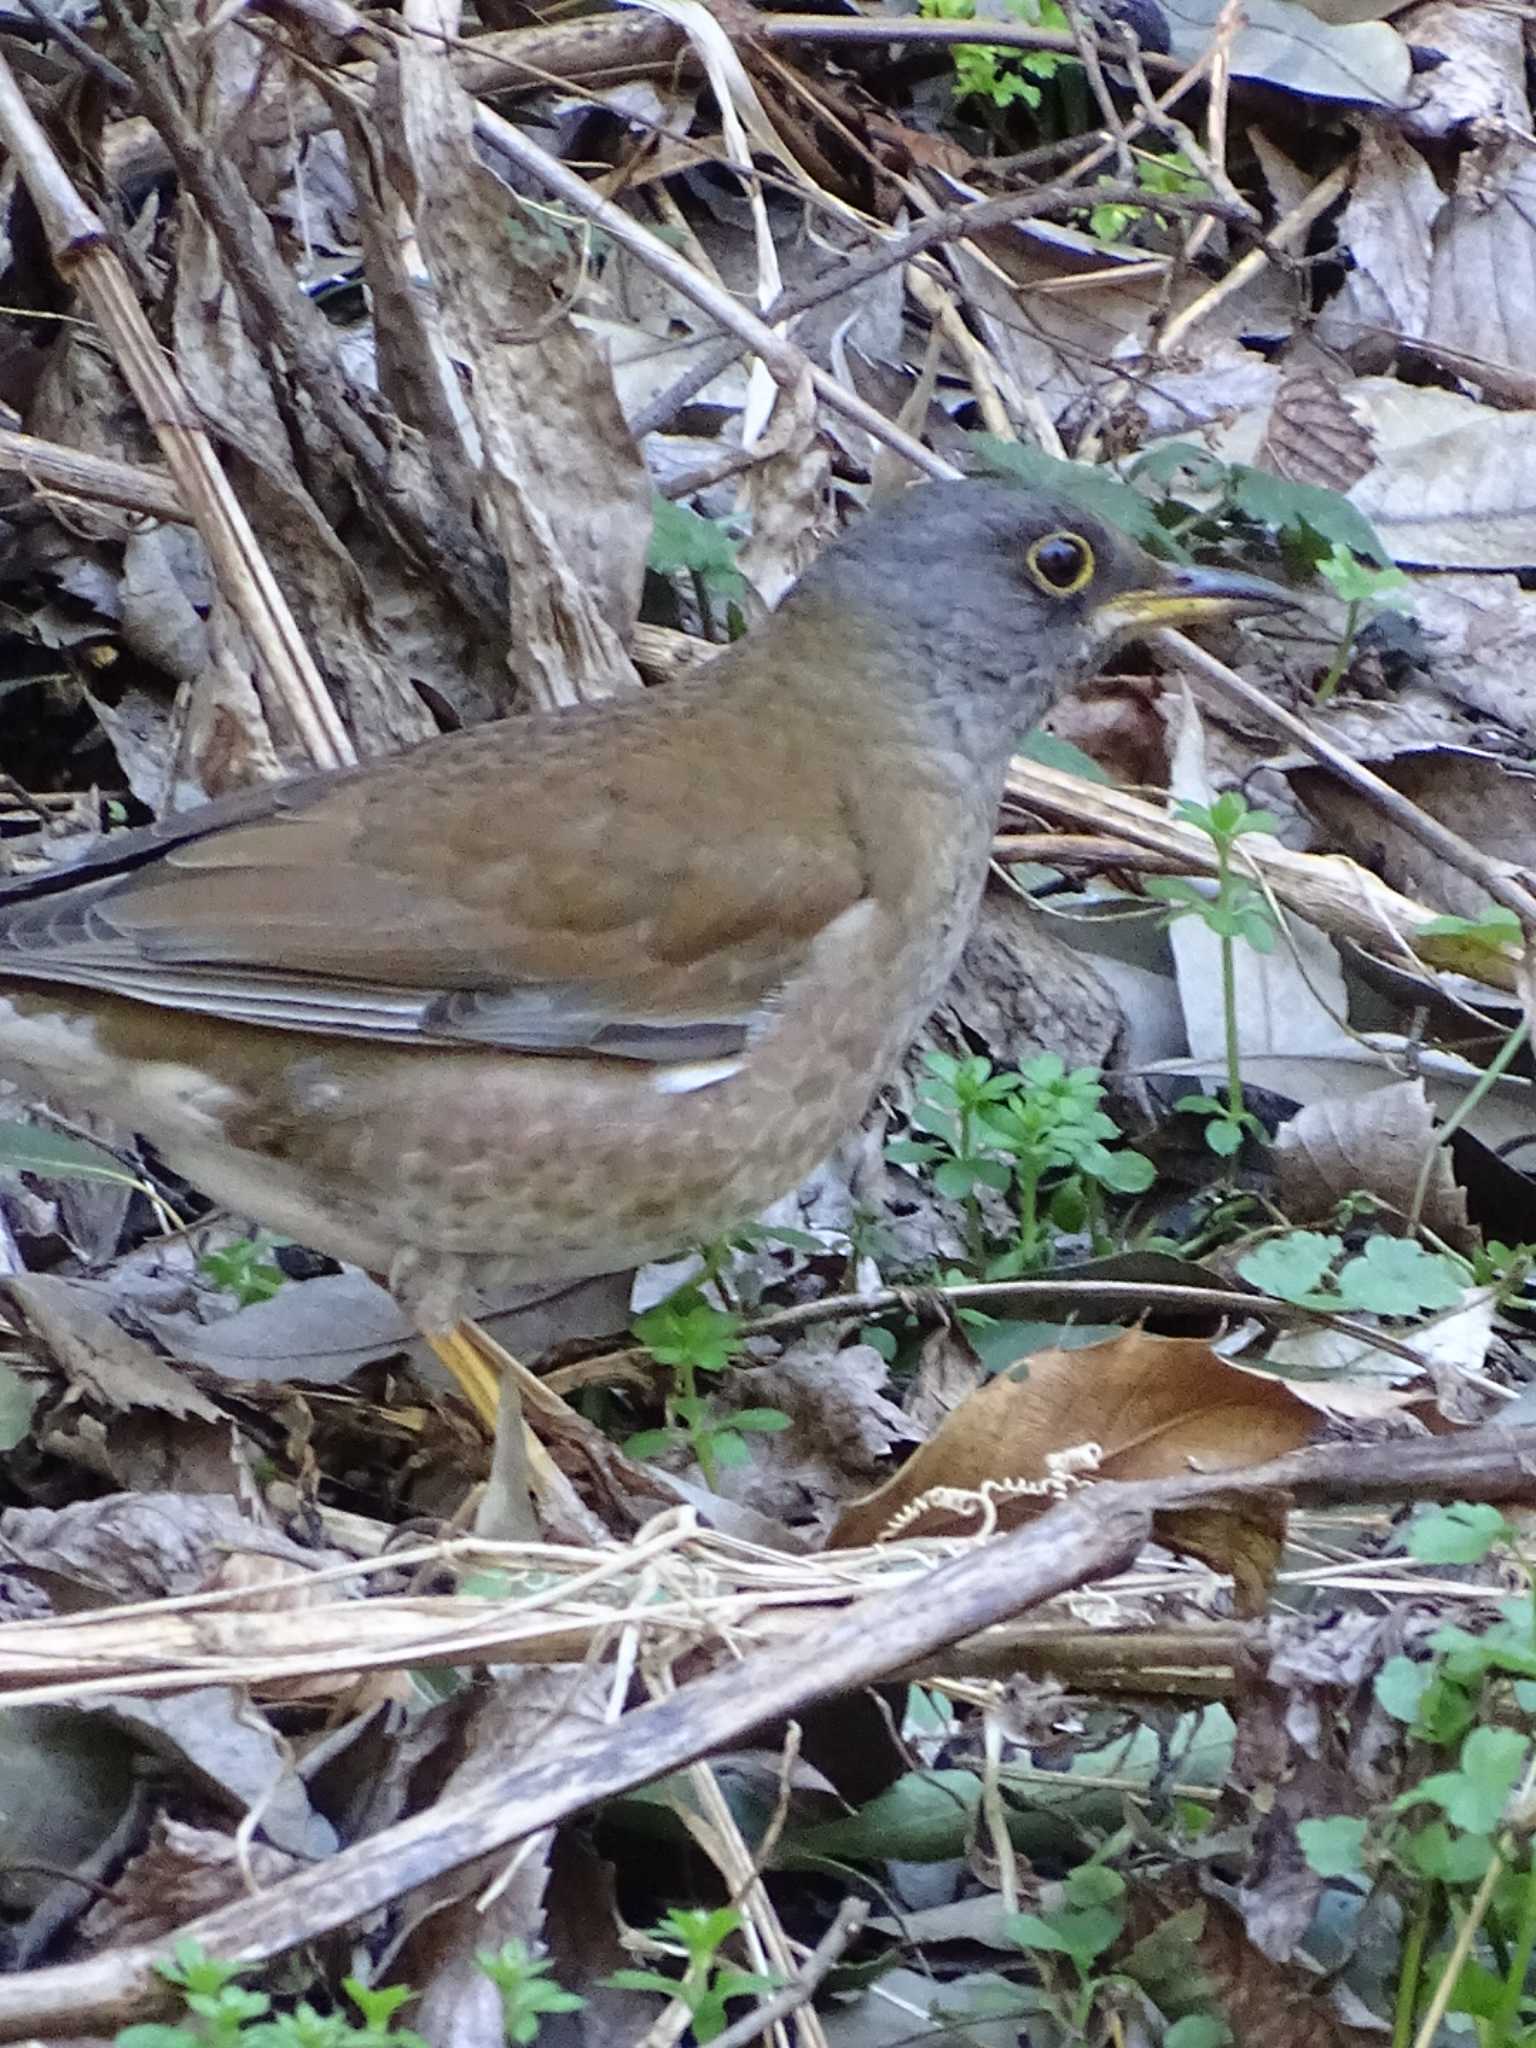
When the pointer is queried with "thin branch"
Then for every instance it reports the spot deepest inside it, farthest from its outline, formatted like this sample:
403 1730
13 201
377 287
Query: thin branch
851 1915
1502 879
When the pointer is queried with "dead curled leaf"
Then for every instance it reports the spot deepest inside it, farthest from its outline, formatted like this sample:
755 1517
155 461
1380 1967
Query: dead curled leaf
1379 1143
1156 1407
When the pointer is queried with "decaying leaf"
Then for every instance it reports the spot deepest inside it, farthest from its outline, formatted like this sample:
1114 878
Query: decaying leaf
1288 46
1312 436
1378 1144
1151 1407
182 1871
138 1546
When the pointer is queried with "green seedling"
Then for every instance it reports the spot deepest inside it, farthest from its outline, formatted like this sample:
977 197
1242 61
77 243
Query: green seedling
707 1983
1389 1276
689 1336
1366 588
1457 1847
1237 911
1039 1134
1002 77
1173 173
245 1269
527 1994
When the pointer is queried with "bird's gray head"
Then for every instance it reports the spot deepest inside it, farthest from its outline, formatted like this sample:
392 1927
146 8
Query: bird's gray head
985 601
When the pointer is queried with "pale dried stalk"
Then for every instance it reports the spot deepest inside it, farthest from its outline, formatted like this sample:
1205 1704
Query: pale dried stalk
985 1586
1503 880
1286 231
51 467
294 696
1329 890
974 356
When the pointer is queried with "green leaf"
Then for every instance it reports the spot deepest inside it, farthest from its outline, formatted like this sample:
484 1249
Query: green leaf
1177 460
1083 1935
1224 1137
1277 502
686 1330
1479 1992
1495 927
1395 1276
29 1148
1454 1859
924 1817
681 540
1093 1884
1290 1267
1462 1533
1125 1173
1333 1846
1084 484
17 1401
1474 1796
649 1443
1181 894
1197 2030
1047 751
764 1420
1400 1687
1359 582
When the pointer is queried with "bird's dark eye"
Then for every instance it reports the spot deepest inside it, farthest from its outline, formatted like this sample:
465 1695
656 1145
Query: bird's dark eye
1061 563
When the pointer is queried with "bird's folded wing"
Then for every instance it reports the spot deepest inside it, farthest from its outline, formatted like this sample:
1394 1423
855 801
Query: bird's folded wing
527 917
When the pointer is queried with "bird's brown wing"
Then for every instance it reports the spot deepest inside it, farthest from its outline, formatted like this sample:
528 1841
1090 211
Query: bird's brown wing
608 890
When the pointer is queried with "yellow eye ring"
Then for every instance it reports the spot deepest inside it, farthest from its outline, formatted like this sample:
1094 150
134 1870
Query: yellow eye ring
1061 563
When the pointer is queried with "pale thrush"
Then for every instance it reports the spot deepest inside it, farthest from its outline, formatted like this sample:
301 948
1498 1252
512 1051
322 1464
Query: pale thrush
565 993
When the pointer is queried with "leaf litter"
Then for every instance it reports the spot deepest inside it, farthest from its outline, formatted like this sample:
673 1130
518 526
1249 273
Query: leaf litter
462 301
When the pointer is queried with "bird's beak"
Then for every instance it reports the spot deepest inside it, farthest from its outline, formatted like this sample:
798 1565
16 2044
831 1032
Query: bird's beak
1183 596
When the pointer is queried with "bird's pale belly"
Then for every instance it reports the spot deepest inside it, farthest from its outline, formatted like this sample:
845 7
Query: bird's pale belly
454 1171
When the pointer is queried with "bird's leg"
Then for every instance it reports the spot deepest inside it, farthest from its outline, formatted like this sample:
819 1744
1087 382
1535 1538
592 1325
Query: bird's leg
494 1383
467 1365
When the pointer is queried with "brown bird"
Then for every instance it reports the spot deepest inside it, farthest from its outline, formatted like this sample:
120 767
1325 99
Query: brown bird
565 993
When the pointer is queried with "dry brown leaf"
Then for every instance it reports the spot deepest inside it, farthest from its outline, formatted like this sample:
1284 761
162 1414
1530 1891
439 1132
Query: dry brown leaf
1156 1407
1264 2004
1482 284
182 1872
1340 1145
1387 225
94 1354
1312 437
1490 801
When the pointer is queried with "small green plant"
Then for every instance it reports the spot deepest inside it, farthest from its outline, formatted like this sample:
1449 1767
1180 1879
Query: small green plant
964 1157
1457 1846
1495 928
527 1995
1173 173
1388 1276
707 1983
1236 911
1505 1266
245 1269
1002 77
1040 1132
690 1336
1058 1137
1070 1945
1366 588
220 2013
1079 1932
684 543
